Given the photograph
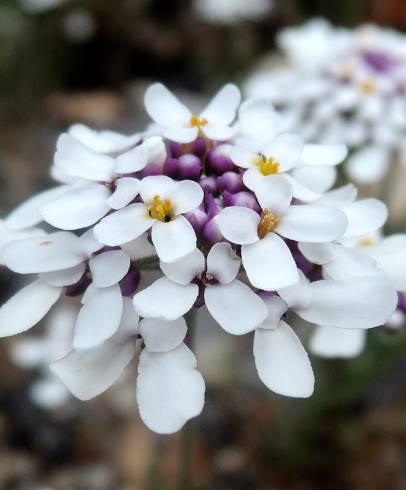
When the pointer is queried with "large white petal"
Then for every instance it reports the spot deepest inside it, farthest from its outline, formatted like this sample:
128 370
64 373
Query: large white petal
186 196
235 307
364 216
352 303
164 108
222 109
173 240
369 164
170 390
223 263
133 160
126 190
165 299
26 308
286 150
269 263
239 225
124 225
282 363
161 335
77 160
78 208
337 342
88 373
43 254
98 318
323 154
274 193
311 223
183 271
108 268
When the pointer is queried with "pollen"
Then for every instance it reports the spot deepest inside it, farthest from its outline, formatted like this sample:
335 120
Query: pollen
365 242
161 209
267 223
267 166
198 121
367 86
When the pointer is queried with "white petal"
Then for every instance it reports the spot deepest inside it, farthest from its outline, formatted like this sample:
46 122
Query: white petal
318 253
49 392
98 318
298 295
239 225
27 307
88 373
368 165
173 240
323 154
156 150
126 190
183 271
133 160
218 133
277 307
269 263
163 107
223 263
333 342
352 303
258 118
165 299
87 244
339 197
222 109
311 223
77 160
64 277
108 268
43 254
28 213
140 248
301 192
318 179
170 390
77 208
124 225
274 193
251 177
161 335
129 323
286 150
282 363
186 196
242 157
364 216
235 307
181 134
156 185
349 262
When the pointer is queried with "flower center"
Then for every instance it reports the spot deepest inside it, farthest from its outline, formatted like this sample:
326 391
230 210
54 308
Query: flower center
367 86
161 209
206 279
267 223
365 242
267 166
198 121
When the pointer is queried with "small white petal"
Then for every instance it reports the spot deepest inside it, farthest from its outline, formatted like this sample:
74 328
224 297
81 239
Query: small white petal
156 185
173 240
218 133
163 107
239 225
87 244
282 363
124 225
222 109
64 277
276 309
49 393
333 342
364 216
258 118
170 390
269 263
223 263
126 190
274 193
129 323
165 299
301 192
108 268
77 208
161 335
133 160
339 197
323 154
298 295
27 307
140 248
156 150
98 318
318 253
251 177
181 134
242 157
235 307
317 179
286 149
368 165
183 271
186 196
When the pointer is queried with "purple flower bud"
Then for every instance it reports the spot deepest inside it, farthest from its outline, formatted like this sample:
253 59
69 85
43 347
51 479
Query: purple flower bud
79 287
197 218
213 205
231 182
243 198
189 166
402 302
170 166
130 281
219 162
174 149
198 147
152 169
211 232
209 184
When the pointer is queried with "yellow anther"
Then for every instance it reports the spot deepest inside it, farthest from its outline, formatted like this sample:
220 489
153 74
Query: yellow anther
267 166
267 223
367 86
365 242
161 209
198 121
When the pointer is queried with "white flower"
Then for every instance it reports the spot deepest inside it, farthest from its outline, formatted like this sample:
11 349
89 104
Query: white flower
179 124
341 343
232 303
231 11
266 257
164 202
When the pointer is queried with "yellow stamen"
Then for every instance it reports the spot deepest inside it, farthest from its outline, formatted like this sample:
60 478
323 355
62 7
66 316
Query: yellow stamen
365 242
161 209
267 223
198 121
367 86
267 165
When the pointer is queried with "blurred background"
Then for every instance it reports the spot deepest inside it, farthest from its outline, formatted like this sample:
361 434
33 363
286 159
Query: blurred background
66 61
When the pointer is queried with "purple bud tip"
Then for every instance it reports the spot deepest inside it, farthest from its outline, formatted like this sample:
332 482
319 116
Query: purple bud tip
209 184
174 149
189 166
219 162
214 206
231 182
170 166
211 232
197 218
130 281
198 147
152 169
243 198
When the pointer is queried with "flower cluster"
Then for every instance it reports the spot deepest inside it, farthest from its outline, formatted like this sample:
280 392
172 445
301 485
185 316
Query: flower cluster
216 209
346 86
